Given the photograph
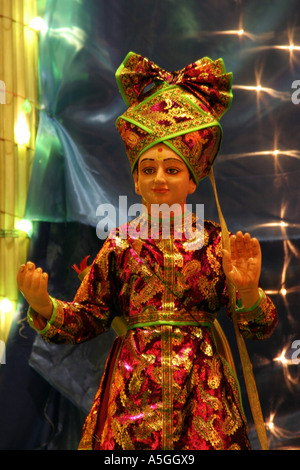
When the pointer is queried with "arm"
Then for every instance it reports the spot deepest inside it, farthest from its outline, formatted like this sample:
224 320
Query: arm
88 315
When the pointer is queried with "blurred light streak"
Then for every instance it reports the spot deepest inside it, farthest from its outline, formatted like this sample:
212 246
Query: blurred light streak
283 291
276 431
274 153
277 224
293 249
281 358
74 36
282 95
233 32
291 48
285 363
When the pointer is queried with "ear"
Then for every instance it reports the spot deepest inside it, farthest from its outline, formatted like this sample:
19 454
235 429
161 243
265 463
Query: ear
192 186
136 181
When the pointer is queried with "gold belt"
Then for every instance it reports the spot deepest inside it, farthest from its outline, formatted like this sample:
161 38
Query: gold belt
121 325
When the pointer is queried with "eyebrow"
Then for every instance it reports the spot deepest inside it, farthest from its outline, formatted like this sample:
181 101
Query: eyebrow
164 160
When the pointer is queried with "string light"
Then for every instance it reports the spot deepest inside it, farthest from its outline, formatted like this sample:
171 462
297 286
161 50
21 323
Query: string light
290 47
38 24
282 358
286 363
7 310
282 95
6 306
284 47
275 153
270 423
277 431
24 225
234 32
22 132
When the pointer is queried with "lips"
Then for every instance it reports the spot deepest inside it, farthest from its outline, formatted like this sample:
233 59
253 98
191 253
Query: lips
161 190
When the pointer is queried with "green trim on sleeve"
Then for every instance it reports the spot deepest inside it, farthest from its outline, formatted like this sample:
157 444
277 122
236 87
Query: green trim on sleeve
49 322
250 309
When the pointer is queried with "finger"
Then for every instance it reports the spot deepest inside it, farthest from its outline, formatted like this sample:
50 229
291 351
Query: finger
20 275
243 246
237 246
248 245
44 283
29 270
233 247
255 246
240 245
36 279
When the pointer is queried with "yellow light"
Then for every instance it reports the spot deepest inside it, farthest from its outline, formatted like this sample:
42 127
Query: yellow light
270 425
22 133
6 306
283 291
283 224
38 24
282 358
25 226
241 32
258 88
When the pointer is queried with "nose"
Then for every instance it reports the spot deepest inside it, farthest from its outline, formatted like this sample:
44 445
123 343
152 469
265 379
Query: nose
160 177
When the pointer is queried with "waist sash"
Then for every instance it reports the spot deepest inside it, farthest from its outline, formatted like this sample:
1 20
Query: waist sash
180 318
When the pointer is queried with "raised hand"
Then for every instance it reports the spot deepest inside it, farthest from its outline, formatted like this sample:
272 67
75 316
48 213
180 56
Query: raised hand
242 266
33 284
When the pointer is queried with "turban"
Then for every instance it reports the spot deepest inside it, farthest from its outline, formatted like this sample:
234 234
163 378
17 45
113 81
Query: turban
180 109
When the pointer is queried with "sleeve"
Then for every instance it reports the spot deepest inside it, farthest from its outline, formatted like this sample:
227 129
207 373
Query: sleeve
93 308
259 321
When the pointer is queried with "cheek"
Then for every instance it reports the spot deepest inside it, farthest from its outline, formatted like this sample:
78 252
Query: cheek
145 188
182 183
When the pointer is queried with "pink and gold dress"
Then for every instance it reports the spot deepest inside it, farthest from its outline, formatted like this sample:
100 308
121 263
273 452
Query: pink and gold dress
165 385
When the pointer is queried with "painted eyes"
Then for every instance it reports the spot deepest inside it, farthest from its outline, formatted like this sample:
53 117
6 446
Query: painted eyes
169 171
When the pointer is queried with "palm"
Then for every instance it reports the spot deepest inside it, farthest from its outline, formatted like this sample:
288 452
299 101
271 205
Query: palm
242 265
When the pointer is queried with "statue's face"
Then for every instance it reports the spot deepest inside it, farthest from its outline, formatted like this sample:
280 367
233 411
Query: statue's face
163 177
